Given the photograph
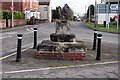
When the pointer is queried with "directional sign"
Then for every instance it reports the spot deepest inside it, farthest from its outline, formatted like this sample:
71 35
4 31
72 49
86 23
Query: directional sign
12 8
114 7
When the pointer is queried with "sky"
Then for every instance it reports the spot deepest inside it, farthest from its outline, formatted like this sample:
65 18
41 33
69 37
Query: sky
78 6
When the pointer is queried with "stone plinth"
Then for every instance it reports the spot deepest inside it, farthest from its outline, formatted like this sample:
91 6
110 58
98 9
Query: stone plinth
62 37
61 50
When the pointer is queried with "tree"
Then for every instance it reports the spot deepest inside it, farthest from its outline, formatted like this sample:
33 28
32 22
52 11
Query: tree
71 13
59 12
91 11
56 13
65 11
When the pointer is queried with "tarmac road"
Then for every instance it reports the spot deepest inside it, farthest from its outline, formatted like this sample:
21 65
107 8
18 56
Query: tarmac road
93 71
9 43
8 39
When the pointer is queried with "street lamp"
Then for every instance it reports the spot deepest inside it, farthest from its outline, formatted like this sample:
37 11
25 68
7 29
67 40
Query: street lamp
95 13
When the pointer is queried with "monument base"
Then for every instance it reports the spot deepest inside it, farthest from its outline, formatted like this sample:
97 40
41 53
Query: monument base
61 56
61 50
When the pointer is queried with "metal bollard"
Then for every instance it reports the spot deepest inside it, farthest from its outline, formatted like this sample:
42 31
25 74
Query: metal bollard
35 38
99 47
18 57
95 39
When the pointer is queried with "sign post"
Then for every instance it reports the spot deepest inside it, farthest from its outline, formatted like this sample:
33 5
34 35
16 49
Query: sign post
118 17
108 13
115 8
12 8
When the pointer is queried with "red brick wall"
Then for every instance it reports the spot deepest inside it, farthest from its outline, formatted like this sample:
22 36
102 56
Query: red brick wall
17 22
3 23
6 5
68 56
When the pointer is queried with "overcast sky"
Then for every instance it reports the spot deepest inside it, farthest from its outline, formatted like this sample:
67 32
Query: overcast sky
78 6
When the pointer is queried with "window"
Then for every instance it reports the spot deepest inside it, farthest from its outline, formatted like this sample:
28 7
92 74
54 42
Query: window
45 8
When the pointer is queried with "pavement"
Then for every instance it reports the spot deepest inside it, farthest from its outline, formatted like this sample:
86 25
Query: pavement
30 67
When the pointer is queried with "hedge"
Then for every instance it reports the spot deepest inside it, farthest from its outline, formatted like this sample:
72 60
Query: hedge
6 14
0 14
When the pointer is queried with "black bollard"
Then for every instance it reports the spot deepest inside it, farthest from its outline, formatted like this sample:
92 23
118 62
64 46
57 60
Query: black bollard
99 47
18 57
35 38
95 39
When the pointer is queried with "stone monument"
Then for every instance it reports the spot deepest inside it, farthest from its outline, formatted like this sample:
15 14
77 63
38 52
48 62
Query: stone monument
62 43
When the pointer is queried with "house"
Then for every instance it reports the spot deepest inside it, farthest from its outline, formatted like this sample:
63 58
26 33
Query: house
104 8
29 7
45 9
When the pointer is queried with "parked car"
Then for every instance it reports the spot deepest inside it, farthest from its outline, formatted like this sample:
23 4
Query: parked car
82 20
78 19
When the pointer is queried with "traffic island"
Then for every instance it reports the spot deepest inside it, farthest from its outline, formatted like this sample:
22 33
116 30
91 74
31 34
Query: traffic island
62 44
30 62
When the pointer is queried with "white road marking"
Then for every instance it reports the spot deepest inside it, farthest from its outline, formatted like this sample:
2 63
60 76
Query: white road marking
22 49
28 30
13 54
49 68
32 29
5 37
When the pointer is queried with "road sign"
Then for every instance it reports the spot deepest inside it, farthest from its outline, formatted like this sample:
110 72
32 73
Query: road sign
114 7
12 8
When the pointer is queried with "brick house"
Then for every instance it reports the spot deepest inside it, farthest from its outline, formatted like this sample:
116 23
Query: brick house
29 7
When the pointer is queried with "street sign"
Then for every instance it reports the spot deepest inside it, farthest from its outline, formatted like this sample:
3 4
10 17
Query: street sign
12 8
114 7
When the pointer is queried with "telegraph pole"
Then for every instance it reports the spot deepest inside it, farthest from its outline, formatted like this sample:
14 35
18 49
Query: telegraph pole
95 13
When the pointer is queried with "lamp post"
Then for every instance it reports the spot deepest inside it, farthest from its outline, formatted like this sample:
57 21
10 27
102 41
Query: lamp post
108 13
95 13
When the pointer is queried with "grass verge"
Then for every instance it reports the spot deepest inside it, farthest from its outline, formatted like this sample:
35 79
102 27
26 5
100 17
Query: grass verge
100 27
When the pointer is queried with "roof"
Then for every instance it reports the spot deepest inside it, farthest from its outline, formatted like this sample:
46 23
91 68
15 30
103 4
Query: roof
32 11
44 0
105 1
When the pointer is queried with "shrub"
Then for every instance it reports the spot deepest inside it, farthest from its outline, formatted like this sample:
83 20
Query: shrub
0 14
8 15
112 19
70 18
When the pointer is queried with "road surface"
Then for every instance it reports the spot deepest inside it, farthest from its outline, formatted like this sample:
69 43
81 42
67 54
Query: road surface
9 39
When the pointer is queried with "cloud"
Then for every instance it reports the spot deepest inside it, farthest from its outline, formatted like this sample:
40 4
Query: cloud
77 5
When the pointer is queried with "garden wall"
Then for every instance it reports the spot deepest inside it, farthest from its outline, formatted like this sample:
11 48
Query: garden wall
8 23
